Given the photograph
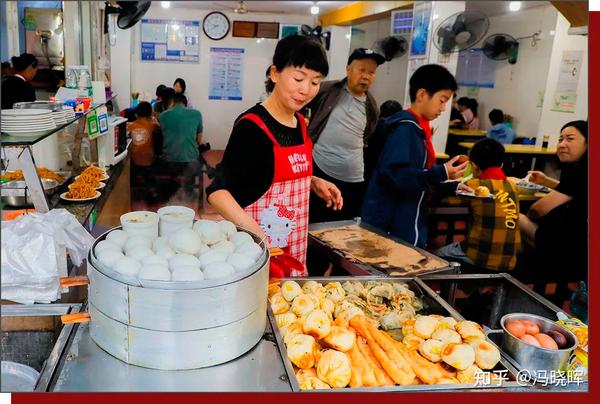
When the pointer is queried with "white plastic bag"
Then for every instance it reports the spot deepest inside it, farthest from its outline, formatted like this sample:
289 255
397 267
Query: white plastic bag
33 254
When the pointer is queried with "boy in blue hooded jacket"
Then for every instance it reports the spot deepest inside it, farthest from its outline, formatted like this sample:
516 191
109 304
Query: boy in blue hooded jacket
406 173
499 131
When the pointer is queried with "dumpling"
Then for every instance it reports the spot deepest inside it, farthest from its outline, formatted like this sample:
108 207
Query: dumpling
290 289
273 288
447 322
227 228
314 288
431 349
134 241
288 332
317 324
240 238
185 241
251 249
327 306
165 252
446 336
278 304
187 274
159 243
302 305
469 330
303 374
412 341
119 237
301 351
210 257
217 270
106 245
203 249
240 262
469 375
224 246
183 260
340 339
486 354
425 326
155 272
139 252
209 231
408 327
333 367
127 266
284 319
392 320
459 356
335 291
313 383
109 256
155 259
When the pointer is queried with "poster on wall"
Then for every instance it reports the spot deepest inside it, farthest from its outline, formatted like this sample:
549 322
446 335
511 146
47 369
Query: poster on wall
287 30
226 67
474 69
565 96
419 41
170 41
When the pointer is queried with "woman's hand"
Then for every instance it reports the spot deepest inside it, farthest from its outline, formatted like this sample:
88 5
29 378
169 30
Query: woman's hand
328 192
537 177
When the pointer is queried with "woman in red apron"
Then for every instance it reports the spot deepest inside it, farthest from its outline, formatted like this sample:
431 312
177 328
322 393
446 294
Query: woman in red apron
264 180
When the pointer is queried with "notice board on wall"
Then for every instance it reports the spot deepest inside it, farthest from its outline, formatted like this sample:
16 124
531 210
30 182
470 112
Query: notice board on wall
170 41
475 69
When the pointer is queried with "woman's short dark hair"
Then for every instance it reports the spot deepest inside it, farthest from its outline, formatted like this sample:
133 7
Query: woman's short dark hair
160 89
473 105
269 85
143 110
431 78
300 51
581 126
181 82
389 108
22 62
487 153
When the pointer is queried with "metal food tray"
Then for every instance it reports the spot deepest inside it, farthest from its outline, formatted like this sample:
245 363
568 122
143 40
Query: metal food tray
360 269
433 304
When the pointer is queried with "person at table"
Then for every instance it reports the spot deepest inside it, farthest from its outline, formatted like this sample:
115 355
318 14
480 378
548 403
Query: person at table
164 95
180 87
456 118
493 237
265 178
146 144
406 173
343 119
17 88
556 225
499 131
468 109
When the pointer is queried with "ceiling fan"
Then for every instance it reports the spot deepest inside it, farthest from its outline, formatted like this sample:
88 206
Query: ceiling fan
239 9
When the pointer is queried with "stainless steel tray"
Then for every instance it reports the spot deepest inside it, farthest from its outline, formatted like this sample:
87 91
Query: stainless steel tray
433 304
360 269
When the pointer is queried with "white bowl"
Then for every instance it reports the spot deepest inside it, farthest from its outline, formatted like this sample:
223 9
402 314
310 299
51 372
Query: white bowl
173 218
142 223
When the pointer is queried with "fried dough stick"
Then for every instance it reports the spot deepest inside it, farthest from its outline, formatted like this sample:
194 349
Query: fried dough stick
381 377
362 366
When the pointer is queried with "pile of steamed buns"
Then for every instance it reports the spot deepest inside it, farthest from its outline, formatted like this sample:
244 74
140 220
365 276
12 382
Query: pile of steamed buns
209 250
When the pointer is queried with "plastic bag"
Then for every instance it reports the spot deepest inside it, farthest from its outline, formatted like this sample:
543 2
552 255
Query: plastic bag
34 254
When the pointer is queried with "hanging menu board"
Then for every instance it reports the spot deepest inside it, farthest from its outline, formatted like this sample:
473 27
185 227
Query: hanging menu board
226 67
170 41
474 69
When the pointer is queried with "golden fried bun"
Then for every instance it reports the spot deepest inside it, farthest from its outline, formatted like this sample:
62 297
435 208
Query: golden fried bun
340 339
302 305
290 289
412 341
469 330
425 326
408 328
431 349
446 336
335 291
291 330
302 374
317 324
278 304
309 286
274 289
333 368
469 375
486 354
313 383
327 305
482 191
301 351
447 322
459 356
284 319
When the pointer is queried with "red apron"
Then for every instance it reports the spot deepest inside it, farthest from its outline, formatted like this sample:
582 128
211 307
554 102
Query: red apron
282 212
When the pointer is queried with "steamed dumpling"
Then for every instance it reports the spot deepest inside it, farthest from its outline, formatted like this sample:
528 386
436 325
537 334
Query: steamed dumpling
159 243
165 252
333 367
134 241
104 245
188 274
127 266
240 238
108 257
139 252
185 241
227 228
240 262
155 272
209 231
155 259
183 260
203 249
249 248
217 270
225 246
119 237
210 257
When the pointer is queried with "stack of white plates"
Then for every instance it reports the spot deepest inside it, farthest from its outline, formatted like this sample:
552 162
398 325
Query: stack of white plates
59 117
26 122
69 113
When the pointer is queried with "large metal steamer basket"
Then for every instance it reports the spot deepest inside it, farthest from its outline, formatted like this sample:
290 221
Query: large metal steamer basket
177 325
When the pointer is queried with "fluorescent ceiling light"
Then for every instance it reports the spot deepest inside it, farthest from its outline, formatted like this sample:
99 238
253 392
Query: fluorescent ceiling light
165 4
514 6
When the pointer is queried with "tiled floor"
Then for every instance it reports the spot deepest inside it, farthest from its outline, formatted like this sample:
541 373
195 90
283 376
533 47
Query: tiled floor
139 201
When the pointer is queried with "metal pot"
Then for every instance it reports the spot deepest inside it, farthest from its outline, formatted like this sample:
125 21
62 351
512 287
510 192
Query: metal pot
531 358
15 193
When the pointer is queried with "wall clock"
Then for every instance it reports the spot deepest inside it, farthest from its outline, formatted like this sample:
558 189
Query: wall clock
216 25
